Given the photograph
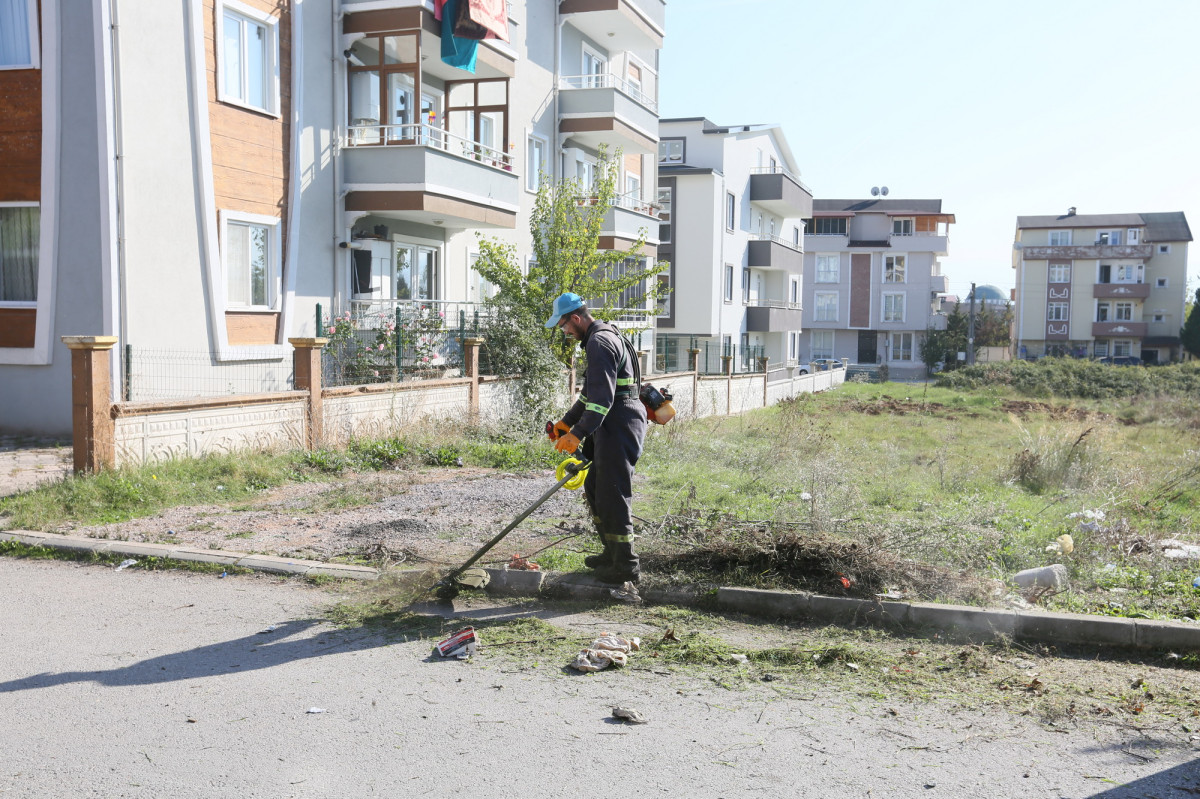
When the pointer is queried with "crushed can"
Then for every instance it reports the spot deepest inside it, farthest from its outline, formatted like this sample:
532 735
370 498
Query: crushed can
460 645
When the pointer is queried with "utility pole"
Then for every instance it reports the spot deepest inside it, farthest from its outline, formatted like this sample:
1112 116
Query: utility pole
971 330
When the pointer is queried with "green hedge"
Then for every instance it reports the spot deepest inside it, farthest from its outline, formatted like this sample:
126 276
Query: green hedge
1070 377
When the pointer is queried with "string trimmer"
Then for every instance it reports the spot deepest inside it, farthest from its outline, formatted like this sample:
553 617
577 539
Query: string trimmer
570 473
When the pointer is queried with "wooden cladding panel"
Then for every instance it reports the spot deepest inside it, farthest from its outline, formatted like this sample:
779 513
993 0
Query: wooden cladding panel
860 290
17 326
21 135
389 19
927 224
250 149
252 329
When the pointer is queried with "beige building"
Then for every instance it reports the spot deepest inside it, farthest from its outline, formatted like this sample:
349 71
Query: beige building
1101 285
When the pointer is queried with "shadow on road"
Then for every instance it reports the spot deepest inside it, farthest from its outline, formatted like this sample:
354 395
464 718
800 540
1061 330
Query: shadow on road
1174 783
248 653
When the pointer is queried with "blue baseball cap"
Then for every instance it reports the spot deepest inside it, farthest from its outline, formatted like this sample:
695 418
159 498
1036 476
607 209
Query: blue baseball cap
563 305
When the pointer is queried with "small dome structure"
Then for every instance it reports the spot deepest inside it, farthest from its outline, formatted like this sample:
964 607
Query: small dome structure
989 293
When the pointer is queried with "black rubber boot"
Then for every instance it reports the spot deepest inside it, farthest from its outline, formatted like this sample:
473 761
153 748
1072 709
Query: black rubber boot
597 561
624 567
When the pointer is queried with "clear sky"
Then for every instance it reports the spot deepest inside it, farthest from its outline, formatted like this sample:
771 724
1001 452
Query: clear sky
999 109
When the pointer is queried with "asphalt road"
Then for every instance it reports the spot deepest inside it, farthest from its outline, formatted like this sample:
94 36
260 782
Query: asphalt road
150 684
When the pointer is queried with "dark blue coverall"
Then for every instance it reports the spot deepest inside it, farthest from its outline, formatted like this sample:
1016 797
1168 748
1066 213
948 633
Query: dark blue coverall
610 419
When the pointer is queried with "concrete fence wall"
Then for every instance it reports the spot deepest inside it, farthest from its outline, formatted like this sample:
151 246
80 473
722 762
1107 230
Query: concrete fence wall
108 434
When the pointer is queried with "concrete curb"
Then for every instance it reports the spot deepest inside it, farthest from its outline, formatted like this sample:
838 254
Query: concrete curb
979 623
245 560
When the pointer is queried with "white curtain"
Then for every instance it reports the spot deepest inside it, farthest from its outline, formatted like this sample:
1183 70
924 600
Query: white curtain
14 32
19 242
237 264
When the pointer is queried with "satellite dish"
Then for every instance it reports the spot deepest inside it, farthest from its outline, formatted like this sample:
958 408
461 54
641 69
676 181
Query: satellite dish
875 191
883 191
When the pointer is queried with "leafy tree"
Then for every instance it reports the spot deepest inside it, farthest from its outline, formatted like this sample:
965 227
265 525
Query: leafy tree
566 223
935 347
992 328
957 326
1189 334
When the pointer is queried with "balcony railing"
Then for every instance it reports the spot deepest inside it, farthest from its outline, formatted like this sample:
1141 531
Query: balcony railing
778 170
768 237
427 136
630 200
764 303
610 81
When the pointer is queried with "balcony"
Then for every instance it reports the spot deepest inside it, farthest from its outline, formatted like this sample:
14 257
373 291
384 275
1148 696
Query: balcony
629 217
447 180
772 316
920 242
780 192
1090 251
772 252
619 24
938 284
1121 291
1118 329
605 109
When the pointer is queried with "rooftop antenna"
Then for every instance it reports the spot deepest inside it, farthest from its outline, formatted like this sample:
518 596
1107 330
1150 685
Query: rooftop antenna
874 191
883 191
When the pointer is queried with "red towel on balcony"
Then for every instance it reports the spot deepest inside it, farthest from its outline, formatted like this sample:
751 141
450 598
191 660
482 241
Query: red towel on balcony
485 19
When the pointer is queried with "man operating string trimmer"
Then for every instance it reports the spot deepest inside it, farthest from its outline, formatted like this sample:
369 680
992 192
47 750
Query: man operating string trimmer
611 421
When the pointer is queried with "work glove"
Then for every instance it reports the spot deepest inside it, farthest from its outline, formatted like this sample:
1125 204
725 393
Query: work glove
567 442
557 429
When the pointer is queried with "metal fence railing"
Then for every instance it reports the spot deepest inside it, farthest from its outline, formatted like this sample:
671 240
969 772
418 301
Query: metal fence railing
153 375
671 355
387 341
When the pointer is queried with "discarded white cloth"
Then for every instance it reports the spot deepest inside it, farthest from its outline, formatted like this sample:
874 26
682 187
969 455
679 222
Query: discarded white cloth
607 650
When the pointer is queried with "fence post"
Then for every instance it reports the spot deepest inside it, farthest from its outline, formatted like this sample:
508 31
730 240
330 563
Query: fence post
762 363
306 361
727 368
471 369
91 402
694 366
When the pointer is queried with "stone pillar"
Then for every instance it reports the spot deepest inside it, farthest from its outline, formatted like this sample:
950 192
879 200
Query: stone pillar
91 402
306 360
471 369
727 364
694 360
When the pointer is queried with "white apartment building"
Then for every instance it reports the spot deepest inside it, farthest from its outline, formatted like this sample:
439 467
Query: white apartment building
197 177
872 280
1100 285
731 205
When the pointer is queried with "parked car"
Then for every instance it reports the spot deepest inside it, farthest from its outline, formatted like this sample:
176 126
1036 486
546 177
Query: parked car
825 364
1121 360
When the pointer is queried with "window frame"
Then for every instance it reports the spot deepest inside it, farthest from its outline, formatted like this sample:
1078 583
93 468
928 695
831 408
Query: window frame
1158 318
829 313
728 284
828 221
1164 249
1063 268
822 350
1052 243
883 307
668 160
274 227
730 211
903 222
271 69
1123 311
1058 312
35 50
910 348
38 245
745 285
534 172
837 267
1162 283
902 271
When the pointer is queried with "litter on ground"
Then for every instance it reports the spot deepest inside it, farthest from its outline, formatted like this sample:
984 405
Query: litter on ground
607 650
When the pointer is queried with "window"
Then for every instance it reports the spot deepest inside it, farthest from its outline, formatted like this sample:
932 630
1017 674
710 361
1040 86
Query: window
794 292
664 294
893 307
535 162
1161 283
1133 235
633 188
1164 249
1103 310
728 282
902 227
19 34
1056 312
902 346
1131 273
893 269
793 347
827 306
745 284
20 240
1101 348
1122 348
1159 318
251 256
595 67
1124 311
248 55
1060 273
828 270
1108 237
730 212
664 216
1060 238
826 226
670 151
796 237
822 344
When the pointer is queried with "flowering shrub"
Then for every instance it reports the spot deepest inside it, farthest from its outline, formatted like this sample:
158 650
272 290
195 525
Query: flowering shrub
377 348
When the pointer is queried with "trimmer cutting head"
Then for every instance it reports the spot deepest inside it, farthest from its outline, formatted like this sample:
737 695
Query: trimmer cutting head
471 578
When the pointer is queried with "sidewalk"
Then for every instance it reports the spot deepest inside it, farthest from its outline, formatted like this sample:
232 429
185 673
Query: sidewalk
26 461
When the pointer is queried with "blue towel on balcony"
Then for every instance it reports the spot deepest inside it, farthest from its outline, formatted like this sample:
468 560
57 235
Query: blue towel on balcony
456 51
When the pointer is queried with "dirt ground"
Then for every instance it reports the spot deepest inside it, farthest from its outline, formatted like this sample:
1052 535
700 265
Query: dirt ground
435 516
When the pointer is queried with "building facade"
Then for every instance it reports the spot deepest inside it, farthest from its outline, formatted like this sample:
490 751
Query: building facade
1101 285
872 280
196 178
731 204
